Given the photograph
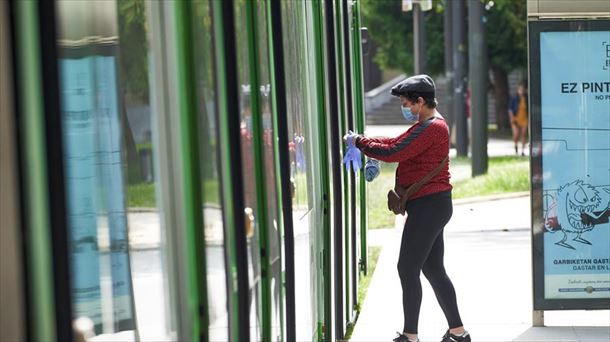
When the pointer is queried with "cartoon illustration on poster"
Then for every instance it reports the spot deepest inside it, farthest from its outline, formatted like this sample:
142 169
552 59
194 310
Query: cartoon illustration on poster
575 107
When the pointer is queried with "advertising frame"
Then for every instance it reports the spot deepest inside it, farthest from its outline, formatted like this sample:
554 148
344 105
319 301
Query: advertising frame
535 28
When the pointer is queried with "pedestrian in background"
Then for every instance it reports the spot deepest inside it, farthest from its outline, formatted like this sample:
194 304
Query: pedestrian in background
518 115
421 152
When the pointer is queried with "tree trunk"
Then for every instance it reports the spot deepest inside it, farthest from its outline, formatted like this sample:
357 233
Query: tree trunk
134 174
501 94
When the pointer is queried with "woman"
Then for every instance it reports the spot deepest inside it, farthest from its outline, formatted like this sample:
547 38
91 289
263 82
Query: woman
418 151
517 112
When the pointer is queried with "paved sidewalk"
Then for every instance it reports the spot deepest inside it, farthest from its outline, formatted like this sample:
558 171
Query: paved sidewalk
488 257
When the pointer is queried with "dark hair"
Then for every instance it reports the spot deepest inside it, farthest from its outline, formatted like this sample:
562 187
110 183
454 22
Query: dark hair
429 102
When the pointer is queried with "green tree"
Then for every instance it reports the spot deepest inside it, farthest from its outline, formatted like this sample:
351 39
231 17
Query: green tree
506 24
392 31
506 33
133 73
133 49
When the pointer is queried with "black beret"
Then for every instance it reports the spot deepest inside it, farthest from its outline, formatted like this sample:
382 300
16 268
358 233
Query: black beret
420 85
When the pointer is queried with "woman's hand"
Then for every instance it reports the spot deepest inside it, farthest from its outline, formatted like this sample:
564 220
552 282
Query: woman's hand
352 155
350 135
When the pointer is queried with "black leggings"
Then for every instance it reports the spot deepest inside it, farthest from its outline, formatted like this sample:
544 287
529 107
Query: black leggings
422 249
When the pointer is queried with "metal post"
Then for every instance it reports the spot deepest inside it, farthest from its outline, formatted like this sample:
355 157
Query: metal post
459 63
478 85
447 30
538 318
419 39
281 128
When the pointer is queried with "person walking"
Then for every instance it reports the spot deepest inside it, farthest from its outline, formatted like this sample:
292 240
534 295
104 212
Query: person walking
421 151
517 113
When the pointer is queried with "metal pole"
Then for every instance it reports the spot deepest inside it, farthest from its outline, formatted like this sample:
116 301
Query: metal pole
538 318
281 115
447 22
419 39
478 85
459 63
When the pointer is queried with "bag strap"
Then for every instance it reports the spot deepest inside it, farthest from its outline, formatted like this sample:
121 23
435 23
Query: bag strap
416 186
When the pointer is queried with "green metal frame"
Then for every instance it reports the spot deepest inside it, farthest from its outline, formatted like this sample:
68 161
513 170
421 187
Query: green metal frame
340 55
326 330
36 198
195 245
358 92
261 218
351 298
229 210
276 156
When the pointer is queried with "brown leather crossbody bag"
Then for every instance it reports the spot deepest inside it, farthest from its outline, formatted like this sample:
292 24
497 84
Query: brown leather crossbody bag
397 197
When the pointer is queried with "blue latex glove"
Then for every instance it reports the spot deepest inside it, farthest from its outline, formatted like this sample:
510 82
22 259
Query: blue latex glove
371 169
352 153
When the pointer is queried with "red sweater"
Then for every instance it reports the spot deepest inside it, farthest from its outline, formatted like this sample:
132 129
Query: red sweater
417 151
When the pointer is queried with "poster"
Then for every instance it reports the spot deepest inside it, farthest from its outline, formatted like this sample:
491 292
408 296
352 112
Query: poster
111 182
81 175
96 193
575 140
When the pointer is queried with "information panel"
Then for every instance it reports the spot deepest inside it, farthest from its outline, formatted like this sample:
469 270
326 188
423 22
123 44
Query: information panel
570 88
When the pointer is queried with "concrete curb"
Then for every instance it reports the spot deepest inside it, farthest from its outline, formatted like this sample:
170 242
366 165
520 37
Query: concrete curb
142 210
399 221
489 198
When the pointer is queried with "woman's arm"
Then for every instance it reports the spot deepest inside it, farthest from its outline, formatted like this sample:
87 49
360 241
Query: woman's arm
403 147
512 110
382 140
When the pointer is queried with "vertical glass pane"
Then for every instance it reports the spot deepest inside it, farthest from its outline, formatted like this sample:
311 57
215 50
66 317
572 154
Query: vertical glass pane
273 234
304 168
116 251
208 148
244 96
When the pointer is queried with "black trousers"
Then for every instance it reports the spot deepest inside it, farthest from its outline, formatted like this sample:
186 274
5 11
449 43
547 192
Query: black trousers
422 249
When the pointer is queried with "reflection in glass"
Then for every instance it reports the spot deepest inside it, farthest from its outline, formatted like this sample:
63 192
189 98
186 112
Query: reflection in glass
268 160
247 134
302 124
208 145
113 222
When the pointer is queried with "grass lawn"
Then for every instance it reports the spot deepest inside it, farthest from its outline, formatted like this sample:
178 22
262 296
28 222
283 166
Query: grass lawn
505 174
143 195
377 192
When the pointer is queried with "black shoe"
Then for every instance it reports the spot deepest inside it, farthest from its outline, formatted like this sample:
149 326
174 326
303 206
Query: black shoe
403 338
449 337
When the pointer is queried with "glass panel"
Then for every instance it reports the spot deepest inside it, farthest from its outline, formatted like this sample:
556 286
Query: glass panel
244 98
208 145
119 283
273 234
304 169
